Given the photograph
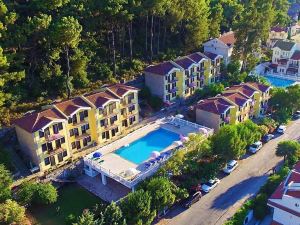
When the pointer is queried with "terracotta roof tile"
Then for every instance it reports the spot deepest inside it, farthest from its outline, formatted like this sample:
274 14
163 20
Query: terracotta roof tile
70 106
279 29
261 87
228 38
243 88
98 99
196 57
33 122
184 62
216 105
161 69
236 97
211 55
121 89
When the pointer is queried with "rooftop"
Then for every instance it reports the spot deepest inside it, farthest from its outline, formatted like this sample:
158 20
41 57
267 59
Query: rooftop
184 62
259 86
35 121
99 99
120 89
228 38
243 88
216 105
236 97
211 55
279 29
197 57
161 69
284 45
68 107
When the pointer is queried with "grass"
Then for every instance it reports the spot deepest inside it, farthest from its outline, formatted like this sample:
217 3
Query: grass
72 199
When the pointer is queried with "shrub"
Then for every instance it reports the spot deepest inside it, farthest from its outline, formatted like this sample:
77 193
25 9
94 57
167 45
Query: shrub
11 212
260 207
70 219
239 216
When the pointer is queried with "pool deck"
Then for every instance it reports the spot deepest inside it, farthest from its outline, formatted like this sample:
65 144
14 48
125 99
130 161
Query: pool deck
113 166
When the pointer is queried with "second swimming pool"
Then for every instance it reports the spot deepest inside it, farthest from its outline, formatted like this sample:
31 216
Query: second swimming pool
141 149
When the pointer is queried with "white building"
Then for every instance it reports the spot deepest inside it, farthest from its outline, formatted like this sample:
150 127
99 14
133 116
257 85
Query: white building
221 46
277 33
285 60
286 200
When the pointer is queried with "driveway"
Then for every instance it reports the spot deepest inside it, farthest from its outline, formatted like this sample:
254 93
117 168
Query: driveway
222 202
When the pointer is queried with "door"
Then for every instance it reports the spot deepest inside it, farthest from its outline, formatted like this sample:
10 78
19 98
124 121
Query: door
52 160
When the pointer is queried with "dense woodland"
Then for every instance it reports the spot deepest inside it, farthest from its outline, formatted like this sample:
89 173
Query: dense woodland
59 48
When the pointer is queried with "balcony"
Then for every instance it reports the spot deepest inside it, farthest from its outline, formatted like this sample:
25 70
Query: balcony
192 85
127 102
83 135
79 123
53 137
173 90
56 150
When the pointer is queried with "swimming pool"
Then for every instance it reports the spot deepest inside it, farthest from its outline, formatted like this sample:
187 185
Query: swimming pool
279 82
141 149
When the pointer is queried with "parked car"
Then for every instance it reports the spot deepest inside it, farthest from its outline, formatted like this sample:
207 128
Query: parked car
255 147
267 138
281 129
211 184
230 166
192 199
297 115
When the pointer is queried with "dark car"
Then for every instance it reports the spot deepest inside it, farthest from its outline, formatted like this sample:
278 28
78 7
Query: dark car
267 138
192 199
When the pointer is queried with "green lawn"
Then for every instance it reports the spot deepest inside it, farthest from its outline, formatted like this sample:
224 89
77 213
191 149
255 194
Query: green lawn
72 200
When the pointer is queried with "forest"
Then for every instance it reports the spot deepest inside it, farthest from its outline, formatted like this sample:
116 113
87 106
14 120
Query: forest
60 48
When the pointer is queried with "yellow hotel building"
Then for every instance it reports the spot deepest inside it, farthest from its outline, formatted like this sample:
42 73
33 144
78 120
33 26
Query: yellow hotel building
52 136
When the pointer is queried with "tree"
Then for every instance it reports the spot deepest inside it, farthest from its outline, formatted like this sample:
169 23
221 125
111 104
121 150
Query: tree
11 212
216 17
227 143
113 215
288 149
87 218
260 206
160 188
136 208
251 29
66 35
5 183
39 193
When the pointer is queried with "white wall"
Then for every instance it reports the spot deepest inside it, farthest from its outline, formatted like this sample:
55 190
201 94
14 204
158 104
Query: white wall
285 217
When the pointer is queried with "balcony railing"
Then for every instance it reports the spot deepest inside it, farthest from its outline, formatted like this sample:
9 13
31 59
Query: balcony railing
56 150
173 90
174 80
192 84
53 137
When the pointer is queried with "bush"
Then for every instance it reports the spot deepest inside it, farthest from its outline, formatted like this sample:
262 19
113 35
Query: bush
260 207
239 216
155 102
70 219
11 212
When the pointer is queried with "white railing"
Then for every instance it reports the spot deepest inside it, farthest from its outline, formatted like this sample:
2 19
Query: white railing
191 124
284 76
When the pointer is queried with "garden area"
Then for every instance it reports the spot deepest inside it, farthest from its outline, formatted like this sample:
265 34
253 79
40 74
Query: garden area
72 200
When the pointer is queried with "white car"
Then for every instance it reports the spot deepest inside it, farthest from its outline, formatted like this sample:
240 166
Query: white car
231 166
281 129
255 147
211 184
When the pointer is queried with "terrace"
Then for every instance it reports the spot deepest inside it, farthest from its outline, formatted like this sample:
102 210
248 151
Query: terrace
131 159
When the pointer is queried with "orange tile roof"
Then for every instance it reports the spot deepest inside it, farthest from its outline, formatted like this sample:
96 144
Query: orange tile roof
216 105
98 99
121 89
228 38
236 97
70 106
33 122
261 87
243 88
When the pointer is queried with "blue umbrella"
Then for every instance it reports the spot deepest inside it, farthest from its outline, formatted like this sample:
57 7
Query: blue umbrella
97 155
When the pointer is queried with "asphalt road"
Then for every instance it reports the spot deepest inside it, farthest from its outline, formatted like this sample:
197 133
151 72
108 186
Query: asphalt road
222 202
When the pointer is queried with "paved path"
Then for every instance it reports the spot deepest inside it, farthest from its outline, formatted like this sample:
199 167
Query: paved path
219 205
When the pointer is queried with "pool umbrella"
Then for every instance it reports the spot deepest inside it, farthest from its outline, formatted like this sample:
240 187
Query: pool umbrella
155 154
97 155
180 116
203 131
131 172
178 143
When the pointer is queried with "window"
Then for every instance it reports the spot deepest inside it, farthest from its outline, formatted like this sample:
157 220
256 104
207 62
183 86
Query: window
47 161
41 134
71 132
60 157
74 118
55 129
65 154
57 144
44 147
102 123
70 120
76 133
73 144
132 108
84 142
60 126
85 112
103 135
89 139
62 140
81 116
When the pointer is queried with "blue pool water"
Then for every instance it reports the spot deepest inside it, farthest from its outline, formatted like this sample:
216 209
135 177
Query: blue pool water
279 82
141 149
